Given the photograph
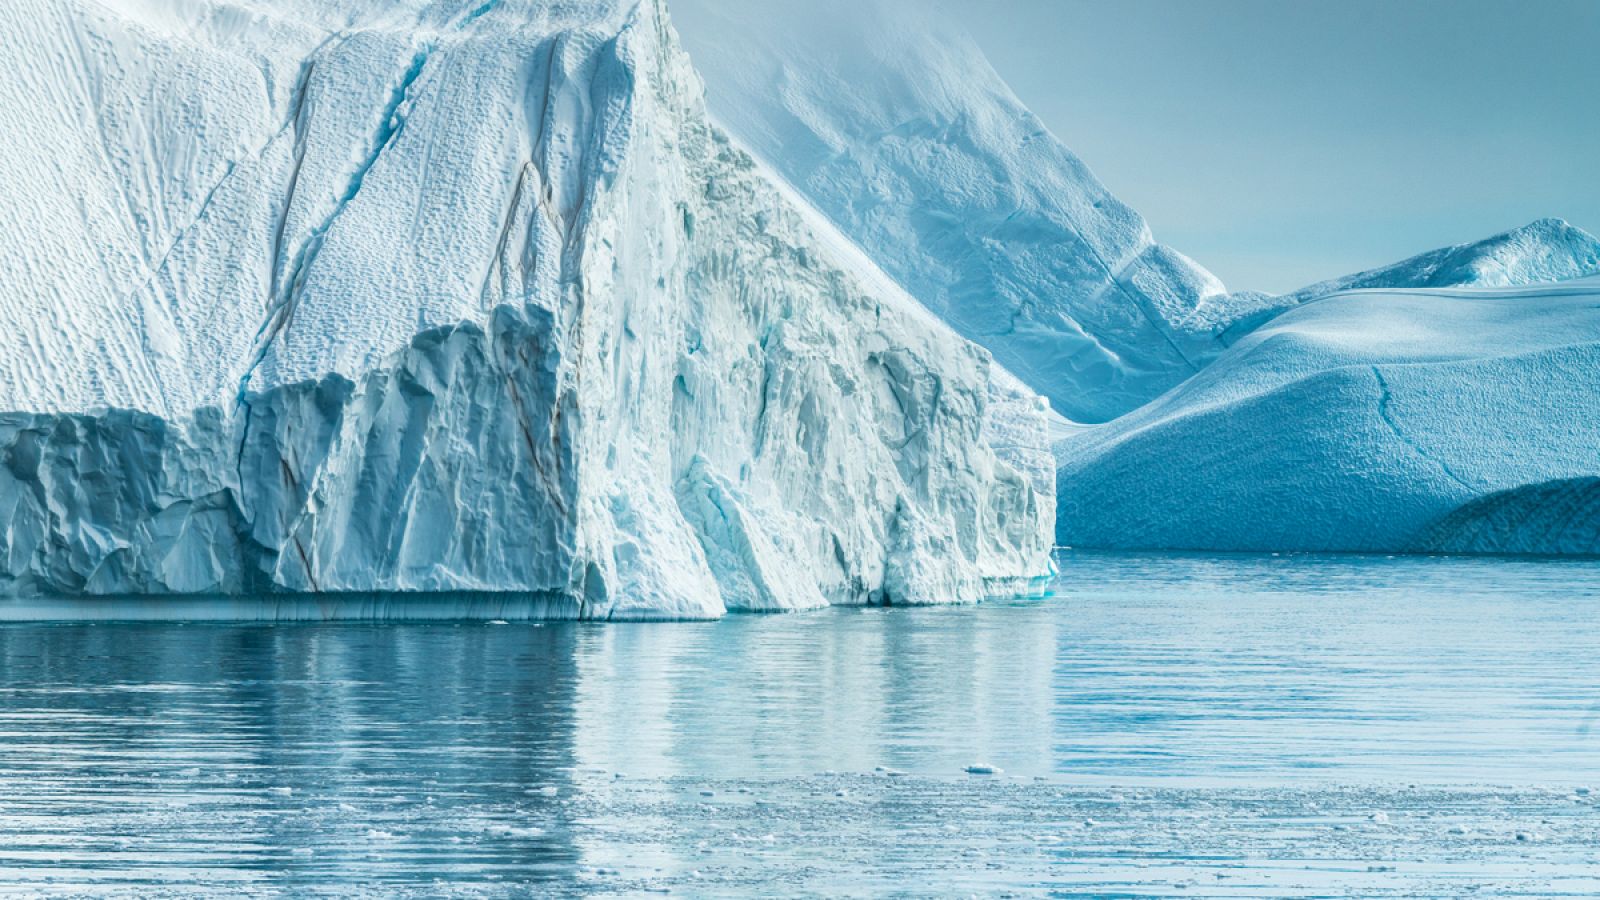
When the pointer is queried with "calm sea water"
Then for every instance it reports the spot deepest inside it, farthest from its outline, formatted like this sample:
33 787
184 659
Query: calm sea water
1183 726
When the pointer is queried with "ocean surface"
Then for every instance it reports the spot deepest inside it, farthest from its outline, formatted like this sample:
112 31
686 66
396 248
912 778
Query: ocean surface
1158 726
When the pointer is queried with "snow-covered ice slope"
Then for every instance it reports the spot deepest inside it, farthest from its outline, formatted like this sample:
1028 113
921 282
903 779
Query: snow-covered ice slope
1548 250
1436 419
896 126
460 296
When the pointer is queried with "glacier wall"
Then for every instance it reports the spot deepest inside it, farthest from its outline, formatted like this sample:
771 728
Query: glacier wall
471 297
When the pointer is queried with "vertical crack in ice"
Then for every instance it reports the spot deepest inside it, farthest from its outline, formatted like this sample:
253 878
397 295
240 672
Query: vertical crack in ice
391 124
294 535
1385 399
297 121
498 261
232 168
552 487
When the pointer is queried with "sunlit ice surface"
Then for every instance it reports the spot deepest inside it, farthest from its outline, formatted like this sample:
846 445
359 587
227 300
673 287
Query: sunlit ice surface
1182 725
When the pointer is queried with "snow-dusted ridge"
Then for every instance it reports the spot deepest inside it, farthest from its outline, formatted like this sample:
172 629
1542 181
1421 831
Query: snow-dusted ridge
1549 250
897 128
465 296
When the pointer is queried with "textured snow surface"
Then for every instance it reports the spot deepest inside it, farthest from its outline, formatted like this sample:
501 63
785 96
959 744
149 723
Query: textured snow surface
1454 420
898 129
466 296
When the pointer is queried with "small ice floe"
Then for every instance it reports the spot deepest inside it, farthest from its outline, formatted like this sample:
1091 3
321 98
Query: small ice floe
519 831
280 791
983 769
1379 818
1090 823
189 773
498 622
708 793
301 851
1582 792
378 835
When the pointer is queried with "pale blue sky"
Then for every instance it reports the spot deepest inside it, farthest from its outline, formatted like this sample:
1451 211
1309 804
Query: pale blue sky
1280 142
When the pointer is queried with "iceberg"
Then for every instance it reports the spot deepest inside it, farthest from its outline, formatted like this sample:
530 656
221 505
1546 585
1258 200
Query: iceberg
1375 420
360 296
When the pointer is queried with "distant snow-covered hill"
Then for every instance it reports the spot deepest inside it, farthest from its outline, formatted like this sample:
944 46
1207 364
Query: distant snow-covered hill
1371 420
1548 250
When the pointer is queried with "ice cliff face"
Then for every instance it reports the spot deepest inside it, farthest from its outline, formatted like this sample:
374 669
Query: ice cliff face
366 296
899 130
1457 420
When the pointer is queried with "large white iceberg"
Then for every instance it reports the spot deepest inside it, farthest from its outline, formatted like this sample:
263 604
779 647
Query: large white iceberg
460 296
1458 420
